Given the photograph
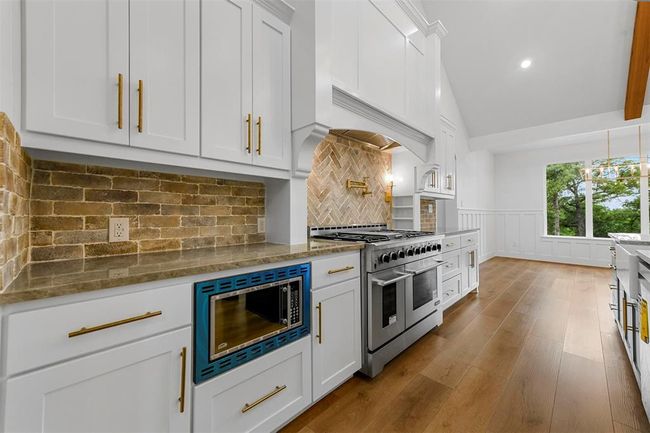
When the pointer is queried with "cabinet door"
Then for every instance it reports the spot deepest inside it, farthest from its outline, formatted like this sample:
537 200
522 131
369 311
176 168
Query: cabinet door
134 388
271 90
226 77
470 269
336 334
74 52
449 182
165 59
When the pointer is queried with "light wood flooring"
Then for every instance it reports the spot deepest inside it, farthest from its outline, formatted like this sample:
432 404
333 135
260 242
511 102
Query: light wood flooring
536 351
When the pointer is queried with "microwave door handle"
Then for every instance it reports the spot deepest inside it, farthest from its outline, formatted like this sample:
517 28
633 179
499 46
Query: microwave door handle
383 283
287 302
428 268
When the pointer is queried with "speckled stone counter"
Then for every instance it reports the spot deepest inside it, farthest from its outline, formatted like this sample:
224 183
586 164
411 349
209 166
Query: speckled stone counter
458 232
50 279
630 238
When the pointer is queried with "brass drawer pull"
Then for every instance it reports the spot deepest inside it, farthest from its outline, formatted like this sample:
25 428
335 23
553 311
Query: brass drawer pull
259 135
319 307
181 399
85 330
249 123
120 100
140 102
249 406
336 271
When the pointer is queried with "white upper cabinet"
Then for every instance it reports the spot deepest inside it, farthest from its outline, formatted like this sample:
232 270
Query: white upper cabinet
246 114
271 90
75 51
226 87
381 56
165 75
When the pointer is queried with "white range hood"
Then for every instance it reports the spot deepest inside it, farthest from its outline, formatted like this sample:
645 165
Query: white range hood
364 65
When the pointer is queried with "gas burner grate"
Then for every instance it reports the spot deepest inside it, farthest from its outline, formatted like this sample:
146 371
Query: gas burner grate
359 237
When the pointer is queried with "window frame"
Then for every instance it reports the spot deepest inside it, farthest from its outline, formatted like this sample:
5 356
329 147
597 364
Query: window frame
644 201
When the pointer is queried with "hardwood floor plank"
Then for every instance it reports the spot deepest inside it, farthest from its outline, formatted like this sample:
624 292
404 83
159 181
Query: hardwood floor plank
624 396
527 402
583 333
463 412
581 400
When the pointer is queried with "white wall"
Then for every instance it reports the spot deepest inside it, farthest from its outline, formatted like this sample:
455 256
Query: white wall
520 200
475 194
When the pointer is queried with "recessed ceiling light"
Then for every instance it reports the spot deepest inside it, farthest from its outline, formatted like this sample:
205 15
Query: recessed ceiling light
525 64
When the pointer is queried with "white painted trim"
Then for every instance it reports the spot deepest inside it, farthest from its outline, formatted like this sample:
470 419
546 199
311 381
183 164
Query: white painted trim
420 21
279 8
448 122
351 102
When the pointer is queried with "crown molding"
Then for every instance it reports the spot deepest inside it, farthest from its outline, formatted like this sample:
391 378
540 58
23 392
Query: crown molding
279 8
420 20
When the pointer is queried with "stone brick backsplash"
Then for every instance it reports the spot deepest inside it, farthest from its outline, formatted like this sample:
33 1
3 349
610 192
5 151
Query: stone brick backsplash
329 202
71 205
427 220
15 180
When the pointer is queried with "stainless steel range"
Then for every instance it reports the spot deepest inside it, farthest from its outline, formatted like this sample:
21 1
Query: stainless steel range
401 279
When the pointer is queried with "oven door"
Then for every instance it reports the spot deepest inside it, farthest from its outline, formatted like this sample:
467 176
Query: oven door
422 293
386 306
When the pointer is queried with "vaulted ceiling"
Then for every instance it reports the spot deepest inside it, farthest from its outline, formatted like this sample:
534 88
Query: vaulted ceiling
580 51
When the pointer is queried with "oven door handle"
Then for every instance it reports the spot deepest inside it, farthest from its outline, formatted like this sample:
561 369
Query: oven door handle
428 268
382 283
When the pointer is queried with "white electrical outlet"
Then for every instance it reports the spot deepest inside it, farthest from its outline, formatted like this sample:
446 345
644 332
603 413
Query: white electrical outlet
261 225
118 230
430 208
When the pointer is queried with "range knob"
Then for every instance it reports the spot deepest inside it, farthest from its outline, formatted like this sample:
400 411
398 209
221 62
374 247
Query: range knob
417 250
393 255
438 247
385 258
429 248
401 254
410 251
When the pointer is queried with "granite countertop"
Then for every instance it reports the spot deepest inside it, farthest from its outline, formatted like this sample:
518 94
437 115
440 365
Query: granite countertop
50 279
644 255
630 238
458 232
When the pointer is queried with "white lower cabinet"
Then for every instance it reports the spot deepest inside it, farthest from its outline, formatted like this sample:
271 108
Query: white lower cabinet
470 269
451 290
135 387
336 335
259 396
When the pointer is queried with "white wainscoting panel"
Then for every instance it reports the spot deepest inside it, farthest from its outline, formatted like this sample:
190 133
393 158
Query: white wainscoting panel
519 234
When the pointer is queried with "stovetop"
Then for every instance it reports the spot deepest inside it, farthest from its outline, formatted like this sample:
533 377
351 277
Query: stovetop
371 236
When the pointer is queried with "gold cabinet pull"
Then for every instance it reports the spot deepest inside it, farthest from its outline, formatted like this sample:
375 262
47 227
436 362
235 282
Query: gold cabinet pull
319 307
259 135
181 399
120 100
140 103
249 406
336 271
85 330
249 122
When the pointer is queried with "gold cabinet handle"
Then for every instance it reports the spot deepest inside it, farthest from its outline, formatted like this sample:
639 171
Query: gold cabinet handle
319 307
336 271
120 100
140 103
259 135
181 399
249 406
85 330
249 122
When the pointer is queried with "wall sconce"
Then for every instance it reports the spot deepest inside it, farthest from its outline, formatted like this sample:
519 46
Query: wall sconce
390 183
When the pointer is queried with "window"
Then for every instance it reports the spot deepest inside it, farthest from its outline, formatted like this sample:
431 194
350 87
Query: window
616 203
611 196
565 199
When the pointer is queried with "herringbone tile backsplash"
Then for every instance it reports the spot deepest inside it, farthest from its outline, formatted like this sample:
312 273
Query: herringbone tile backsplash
329 202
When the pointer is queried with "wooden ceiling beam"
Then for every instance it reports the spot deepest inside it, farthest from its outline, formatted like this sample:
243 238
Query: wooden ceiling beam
637 77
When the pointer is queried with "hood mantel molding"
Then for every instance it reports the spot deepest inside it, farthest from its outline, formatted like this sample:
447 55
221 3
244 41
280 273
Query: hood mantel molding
350 102
305 140
279 8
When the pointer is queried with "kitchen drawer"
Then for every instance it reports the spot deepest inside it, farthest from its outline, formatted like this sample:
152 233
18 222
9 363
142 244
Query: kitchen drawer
469 239
40 337
451 289
450 243
452 265
333 269
280 382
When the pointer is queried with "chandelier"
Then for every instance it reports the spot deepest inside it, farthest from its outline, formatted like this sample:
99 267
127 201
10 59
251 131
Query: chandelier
616 171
